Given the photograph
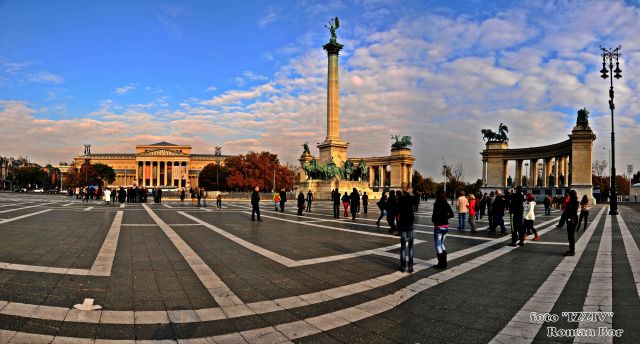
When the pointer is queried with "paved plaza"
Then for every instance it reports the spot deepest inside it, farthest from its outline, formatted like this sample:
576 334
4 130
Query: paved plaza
174 273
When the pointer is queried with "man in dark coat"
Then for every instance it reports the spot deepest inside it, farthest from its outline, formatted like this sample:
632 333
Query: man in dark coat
391 211
365 201
283 199
354 203
300 203
516 213
255 204
335 197
309 200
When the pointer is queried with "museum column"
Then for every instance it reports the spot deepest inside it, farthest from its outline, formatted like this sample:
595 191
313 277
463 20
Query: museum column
518 172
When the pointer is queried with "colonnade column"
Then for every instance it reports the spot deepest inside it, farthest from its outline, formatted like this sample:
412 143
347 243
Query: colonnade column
533 173
546 162
518 172
484 172
555 177
566 170
382 170
504 172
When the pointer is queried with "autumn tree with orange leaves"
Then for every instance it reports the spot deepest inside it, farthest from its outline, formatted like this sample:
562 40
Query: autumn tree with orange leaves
257 169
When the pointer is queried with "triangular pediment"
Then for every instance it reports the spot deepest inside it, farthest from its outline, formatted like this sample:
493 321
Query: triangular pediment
161 152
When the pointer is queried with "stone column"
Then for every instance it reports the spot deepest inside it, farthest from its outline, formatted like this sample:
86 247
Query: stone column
533 173
410 171
333 101
546 162
557 174
566 170
166 172
505 165
372 177
518 172
382 169
137 171
484 172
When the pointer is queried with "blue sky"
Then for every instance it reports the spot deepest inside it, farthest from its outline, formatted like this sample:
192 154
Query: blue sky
251 75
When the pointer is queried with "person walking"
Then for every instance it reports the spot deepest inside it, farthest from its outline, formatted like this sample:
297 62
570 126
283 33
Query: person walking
498 213
300 203
159 195
382 205
547 205
472 212
219 200
516 210
182 195
335 197
405 225
365 202
198 196
391 211
276 200
584 212
570 214
309 200
416 200
442 212
203 194
463 208
345 203
255 204
107 196
530 216
490 201
354 200
283 199
193 196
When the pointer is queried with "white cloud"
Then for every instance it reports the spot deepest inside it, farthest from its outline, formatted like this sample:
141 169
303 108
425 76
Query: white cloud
210 89
124 89
268 18
45 78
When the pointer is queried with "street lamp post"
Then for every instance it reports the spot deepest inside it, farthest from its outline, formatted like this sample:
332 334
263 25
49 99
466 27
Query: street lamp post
609 56
526 172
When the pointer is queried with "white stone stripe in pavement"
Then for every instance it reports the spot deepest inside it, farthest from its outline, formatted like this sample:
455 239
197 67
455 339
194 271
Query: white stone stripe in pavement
520 329
87 208
13 204
104 261
216 313
633 253
121 205
216 287
600 293
27 207
166 205
325 322
66 205
3 221
257 249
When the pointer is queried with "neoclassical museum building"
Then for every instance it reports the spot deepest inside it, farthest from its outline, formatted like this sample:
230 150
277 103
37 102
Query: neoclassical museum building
159 164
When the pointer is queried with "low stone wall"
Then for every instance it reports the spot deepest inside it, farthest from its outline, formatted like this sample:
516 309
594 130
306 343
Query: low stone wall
322 188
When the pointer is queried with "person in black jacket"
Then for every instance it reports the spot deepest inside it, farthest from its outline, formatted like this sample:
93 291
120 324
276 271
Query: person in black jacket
300 203
391 211
255 204
499 205
335 197
405 225
283 199
516 212
571 217
354 199
309 200
365 202
442 212
382 205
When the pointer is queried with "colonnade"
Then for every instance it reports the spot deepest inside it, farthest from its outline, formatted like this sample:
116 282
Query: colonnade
546 167
390 175
162 173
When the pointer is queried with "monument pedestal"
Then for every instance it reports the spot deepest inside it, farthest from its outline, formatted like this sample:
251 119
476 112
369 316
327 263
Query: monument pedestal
581 160
333 149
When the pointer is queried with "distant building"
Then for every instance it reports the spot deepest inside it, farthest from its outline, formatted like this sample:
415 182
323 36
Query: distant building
160 164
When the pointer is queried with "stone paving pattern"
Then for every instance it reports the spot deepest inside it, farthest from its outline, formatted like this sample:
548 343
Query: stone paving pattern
309 279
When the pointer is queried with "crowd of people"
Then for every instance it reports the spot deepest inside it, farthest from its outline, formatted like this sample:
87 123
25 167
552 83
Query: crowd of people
135 194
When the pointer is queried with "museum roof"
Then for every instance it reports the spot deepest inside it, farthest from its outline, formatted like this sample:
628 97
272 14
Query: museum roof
163 143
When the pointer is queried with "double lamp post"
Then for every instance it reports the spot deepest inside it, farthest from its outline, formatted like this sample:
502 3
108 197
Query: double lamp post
609 56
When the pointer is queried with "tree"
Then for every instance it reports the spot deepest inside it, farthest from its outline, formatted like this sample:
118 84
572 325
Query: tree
598 167
455 177
213 177
424 185
105 173
87 175
636 178
257 169
28 176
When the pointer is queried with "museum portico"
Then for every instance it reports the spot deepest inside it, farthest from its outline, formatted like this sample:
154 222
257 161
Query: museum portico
160 164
